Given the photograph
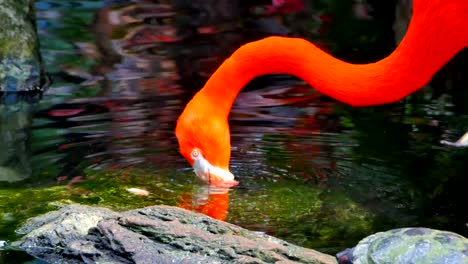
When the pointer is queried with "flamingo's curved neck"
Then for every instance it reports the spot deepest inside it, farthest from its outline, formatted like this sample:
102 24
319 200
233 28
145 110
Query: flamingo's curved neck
434 36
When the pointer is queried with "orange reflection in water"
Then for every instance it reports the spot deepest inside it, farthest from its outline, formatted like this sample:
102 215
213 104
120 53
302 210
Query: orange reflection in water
207 200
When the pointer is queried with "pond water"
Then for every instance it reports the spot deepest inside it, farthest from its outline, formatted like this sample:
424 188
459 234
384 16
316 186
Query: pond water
312 171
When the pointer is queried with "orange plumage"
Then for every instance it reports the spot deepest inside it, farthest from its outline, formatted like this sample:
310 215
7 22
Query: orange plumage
438 30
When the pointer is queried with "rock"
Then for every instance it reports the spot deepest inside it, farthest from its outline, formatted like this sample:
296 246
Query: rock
156 234
15 132
408 245
20 61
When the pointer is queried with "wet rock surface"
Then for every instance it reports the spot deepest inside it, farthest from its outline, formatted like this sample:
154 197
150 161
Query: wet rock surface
156 234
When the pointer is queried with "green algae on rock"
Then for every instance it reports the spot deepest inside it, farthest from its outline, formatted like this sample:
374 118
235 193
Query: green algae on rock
20 61
408 245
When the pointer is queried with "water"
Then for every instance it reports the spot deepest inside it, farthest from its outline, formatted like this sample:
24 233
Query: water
312 171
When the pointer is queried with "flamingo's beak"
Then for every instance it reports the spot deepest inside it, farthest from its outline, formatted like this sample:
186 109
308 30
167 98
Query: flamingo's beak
213 175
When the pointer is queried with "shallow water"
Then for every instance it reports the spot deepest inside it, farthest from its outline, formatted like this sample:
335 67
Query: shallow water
312 171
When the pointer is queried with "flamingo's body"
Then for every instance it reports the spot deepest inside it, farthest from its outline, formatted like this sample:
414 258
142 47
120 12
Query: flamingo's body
438 30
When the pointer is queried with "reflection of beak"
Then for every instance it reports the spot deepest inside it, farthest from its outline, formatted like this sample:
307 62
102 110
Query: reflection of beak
211 174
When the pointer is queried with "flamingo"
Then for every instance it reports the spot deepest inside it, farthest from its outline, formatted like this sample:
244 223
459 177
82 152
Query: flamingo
438 31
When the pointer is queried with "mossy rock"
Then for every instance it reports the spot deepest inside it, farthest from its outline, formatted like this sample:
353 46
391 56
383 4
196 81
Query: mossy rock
20 63
408 245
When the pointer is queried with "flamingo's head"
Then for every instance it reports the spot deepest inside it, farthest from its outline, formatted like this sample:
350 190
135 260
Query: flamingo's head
204 141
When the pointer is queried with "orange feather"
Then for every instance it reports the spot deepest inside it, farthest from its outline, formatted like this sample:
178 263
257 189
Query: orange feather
438 30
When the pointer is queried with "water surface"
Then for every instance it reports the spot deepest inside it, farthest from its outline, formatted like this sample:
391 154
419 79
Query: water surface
312 171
